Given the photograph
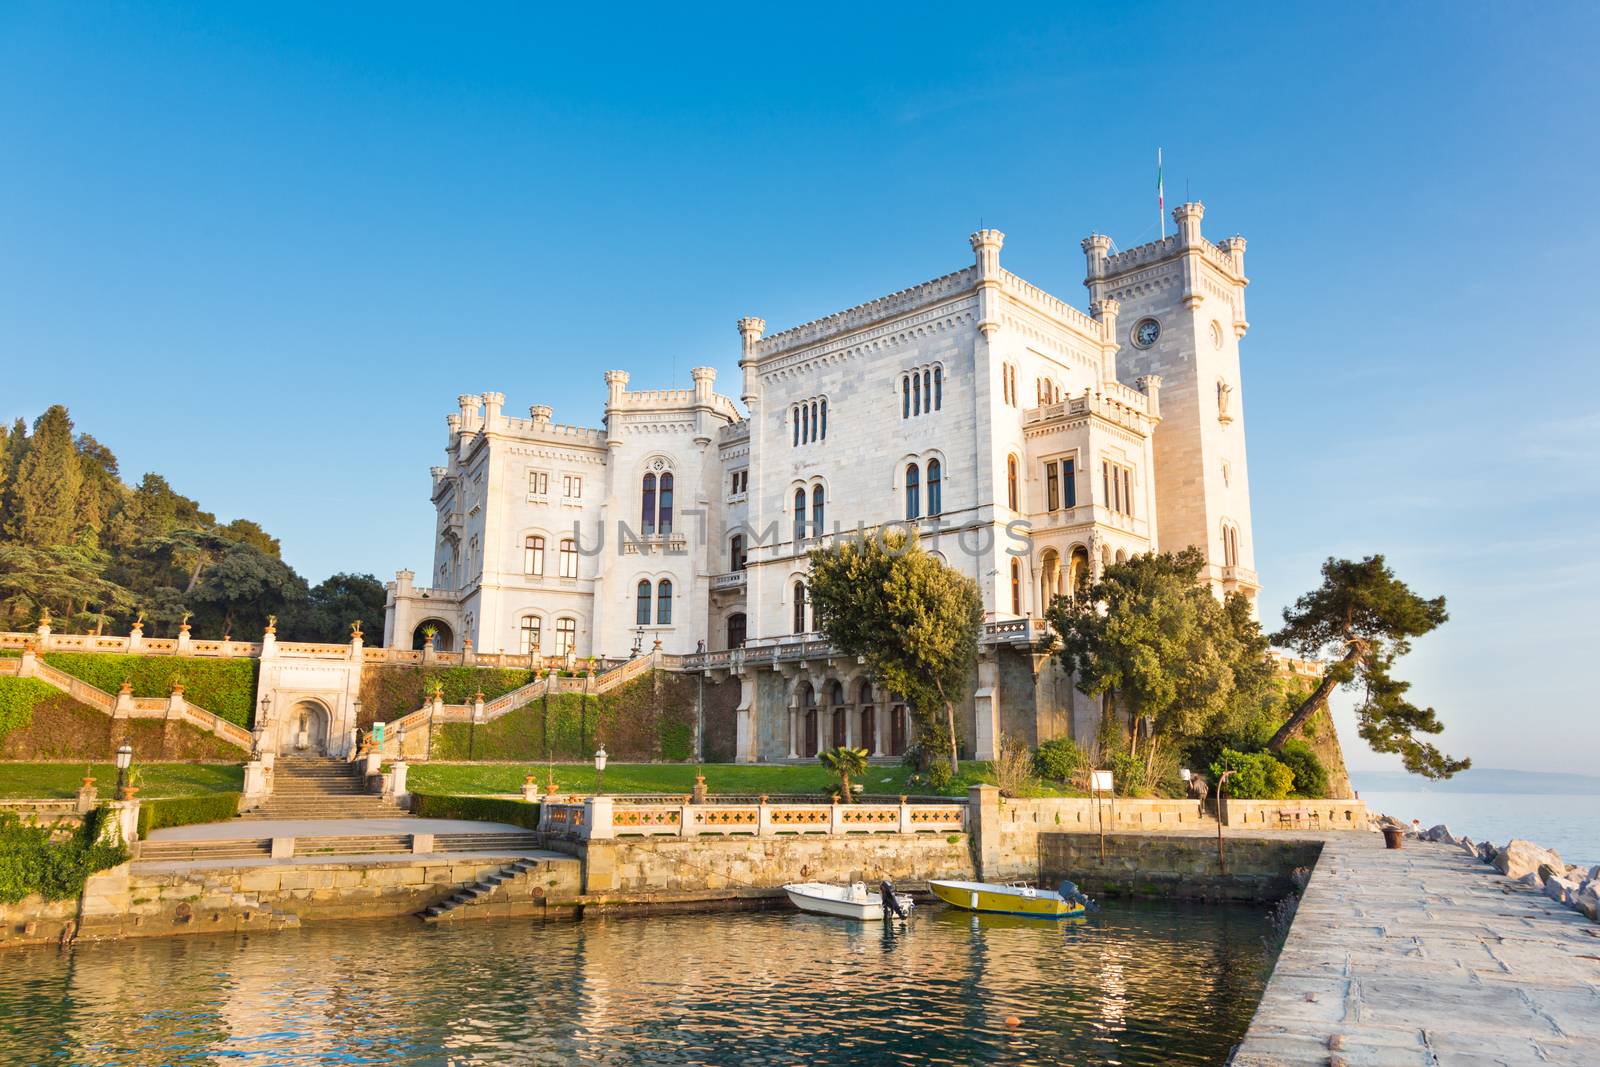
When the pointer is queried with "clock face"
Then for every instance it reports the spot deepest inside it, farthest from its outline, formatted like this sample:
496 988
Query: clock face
1145 334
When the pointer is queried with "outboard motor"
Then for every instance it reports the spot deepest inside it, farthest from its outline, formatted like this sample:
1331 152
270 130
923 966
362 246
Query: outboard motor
1072 894
890 901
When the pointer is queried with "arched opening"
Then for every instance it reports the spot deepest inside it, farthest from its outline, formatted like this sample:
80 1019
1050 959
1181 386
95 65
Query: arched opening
443 636
1077 570
799 517
307 724
1012 495
935 487
1049 578
799 607
897 730
816 511
913 491
736 630
664 602
810 698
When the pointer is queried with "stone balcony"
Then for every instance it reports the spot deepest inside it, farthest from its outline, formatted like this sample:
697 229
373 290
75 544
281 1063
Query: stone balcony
732 581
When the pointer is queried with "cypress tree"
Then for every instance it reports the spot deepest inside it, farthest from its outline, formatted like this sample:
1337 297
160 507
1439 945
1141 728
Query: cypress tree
44 495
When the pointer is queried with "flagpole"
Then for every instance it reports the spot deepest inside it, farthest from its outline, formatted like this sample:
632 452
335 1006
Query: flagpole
1161 198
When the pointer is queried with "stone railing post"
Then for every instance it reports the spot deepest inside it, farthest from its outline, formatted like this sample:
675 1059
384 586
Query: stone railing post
255 783
477 707
905 818
183 640
398 793
597 819
530 794
836 818
28 666
468 657
136 637
983 826
175 703
123 707
763 818
88 797
685 821
120 822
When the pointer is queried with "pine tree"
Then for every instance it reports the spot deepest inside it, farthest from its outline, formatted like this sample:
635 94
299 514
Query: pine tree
45 493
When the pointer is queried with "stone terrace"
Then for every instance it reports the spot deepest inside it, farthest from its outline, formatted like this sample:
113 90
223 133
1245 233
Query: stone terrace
1427 956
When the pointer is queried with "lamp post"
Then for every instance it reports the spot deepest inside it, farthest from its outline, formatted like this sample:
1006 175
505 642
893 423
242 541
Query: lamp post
1222 860
638 642
600 770
124 761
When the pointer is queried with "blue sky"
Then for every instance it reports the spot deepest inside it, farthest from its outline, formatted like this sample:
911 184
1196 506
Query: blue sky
261 250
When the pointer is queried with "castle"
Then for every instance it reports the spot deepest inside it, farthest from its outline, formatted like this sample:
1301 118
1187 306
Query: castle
1029 443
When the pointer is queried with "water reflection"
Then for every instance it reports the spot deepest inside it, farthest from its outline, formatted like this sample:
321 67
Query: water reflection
1134 984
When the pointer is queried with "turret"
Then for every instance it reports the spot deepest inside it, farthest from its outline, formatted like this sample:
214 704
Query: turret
1096 250
1188 217
616 385
492 403
1150 386
986 250
703 377
1105 313
540 414
750 329
469 411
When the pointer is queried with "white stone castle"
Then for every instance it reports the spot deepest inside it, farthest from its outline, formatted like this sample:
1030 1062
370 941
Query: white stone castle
1030 444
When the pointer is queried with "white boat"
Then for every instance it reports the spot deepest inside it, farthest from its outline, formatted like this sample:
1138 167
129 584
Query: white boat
852 901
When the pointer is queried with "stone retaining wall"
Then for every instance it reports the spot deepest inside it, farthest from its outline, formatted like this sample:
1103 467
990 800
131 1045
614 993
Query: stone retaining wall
1021 821
163 899
1294 814
676 865
1183 868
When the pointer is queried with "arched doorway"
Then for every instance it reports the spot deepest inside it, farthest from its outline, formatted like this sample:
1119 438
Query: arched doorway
443 637
897 730
736 630
307 727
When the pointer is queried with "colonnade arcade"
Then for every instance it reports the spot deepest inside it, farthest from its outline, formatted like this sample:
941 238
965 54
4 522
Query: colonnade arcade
829 712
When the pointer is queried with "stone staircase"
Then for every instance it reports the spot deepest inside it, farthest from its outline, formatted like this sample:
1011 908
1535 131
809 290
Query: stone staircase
308 788
499 887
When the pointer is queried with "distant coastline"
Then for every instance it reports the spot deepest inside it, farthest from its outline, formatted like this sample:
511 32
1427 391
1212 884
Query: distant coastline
1481 780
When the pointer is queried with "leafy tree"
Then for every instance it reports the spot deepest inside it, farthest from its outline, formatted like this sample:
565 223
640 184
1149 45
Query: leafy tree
846 763
1151 631
912 619
1256 775
101 491
1365 616
244 587
44 495
334 604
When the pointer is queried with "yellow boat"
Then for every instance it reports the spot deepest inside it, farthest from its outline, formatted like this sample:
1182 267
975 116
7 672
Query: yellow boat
1009 899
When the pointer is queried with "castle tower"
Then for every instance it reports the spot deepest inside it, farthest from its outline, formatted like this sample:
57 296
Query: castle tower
1180 318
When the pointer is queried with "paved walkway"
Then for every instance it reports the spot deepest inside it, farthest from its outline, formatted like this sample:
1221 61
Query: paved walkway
1426 956
255 829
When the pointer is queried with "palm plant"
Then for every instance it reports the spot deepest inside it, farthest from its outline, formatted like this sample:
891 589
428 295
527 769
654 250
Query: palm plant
844 762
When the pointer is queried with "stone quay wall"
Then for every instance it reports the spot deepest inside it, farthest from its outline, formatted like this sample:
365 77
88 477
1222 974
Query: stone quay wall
162 899
1187 867
674 866
1294 814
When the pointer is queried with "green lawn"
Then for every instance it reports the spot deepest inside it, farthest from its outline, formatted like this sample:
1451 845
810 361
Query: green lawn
43 781
470 778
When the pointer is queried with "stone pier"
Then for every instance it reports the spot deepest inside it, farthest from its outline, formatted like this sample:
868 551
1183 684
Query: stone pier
1426 956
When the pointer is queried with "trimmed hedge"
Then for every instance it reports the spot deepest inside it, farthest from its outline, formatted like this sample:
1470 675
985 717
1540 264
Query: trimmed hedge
186 811
18 698
480 809
224 687
389 691
649 719
31 861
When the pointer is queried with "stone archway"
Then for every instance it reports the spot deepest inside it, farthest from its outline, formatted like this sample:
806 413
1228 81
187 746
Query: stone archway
306 729
443 637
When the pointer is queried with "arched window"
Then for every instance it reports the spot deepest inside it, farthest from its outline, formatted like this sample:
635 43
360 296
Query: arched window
799 516
836 693
641 603
794 417
916 393
938 388
913 491
927 390
736 630
566 636
569 558
647 506
814 420
905 398
935 489
799 607
823 436
664 602
817 526
1016 586
533 556
528 641
664 523
736 553
1011 483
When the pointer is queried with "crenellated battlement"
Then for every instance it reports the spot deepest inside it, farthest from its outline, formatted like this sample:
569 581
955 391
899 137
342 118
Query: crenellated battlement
862 315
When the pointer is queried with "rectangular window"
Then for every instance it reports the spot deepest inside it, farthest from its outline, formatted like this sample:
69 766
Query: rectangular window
566 636
1105 481
538 483
1069 484
529 639
1052 487
1127 492
533 556
571 486
569 558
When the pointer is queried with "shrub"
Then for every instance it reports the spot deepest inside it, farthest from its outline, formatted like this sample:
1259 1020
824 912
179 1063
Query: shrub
1013 768
18 698
186 811
1257 775
940 776
1128 774
1059 759
224 687
480 809
32 862
1310 777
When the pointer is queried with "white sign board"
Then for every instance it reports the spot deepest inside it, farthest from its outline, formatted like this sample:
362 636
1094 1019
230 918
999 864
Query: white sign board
1100 782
